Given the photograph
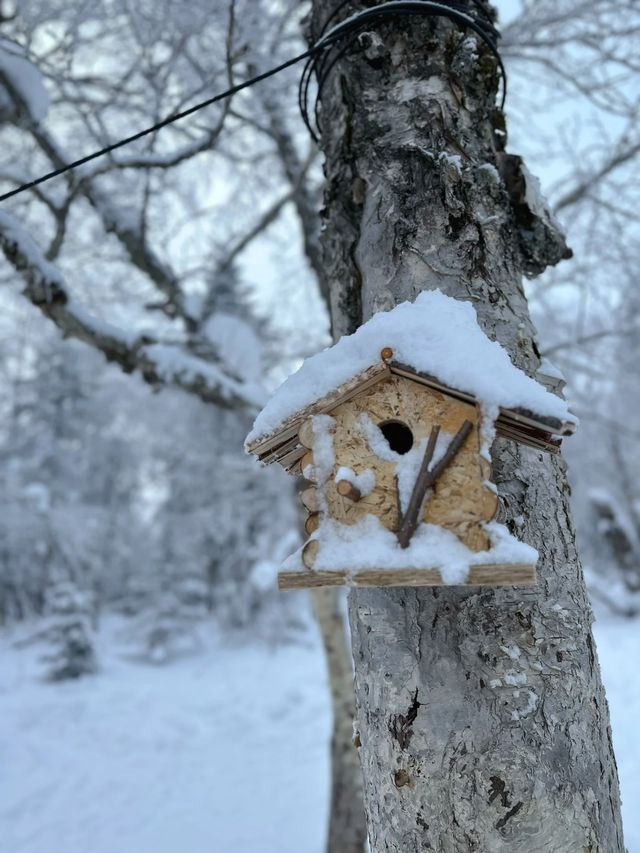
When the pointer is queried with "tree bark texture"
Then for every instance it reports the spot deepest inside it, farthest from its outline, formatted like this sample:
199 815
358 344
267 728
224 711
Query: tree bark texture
347 830
482 717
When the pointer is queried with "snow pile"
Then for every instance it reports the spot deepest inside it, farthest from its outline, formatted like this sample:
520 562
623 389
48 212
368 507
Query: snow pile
436 335
25 78
323 454
369 545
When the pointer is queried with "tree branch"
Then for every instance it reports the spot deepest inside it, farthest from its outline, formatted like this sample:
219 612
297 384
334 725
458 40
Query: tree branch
113 220
426 479
159 364
586 186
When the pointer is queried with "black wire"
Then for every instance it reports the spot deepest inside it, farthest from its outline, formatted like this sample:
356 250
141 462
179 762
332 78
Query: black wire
320 62
169 120
474 17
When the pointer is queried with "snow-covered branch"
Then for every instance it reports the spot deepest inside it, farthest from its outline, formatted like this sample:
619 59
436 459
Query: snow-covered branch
159 364
114 220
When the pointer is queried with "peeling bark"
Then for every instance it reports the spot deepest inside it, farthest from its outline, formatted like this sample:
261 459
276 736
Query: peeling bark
482 717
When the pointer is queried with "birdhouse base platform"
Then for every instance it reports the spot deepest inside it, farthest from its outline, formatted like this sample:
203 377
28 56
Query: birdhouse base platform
484 575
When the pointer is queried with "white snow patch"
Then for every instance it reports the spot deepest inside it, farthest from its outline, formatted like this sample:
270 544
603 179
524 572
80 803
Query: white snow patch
369 545
530 707
454 160
365 482
140 758
17 233
99 326
25 78
407 464
376 440
512 651
548 368
489 415
470 44
172 361
515 679
323 455
437 335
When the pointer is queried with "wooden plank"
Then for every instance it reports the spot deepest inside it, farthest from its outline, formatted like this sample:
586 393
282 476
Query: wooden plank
275 442
289 459
539 443
517 574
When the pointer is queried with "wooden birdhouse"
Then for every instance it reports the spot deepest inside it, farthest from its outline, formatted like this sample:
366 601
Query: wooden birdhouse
392 428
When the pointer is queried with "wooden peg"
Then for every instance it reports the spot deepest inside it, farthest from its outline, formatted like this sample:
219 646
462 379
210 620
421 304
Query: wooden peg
348 490
312 523
489 504
310 552
309 498
305 434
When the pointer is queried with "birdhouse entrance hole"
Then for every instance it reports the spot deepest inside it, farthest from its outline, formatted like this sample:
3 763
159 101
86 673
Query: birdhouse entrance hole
398 435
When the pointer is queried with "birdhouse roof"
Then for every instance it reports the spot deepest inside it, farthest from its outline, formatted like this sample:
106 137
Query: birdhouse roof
435 341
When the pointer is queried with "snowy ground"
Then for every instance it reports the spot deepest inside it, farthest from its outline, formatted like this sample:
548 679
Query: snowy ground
224 751
618 645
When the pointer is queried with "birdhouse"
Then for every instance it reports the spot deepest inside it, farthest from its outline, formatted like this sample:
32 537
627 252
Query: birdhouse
392 427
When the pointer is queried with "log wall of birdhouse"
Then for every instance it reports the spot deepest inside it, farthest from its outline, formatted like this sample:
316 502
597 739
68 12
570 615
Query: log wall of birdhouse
460 500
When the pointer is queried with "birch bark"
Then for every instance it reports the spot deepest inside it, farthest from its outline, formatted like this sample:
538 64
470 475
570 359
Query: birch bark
482 717
347 831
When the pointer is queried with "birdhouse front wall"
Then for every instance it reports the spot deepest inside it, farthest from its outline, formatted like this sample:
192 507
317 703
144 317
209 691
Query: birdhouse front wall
380 436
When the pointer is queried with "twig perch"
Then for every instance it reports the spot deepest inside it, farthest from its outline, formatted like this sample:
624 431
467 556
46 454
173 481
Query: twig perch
426 480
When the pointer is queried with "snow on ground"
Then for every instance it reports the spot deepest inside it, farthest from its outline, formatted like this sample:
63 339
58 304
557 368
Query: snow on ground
223 751
618 643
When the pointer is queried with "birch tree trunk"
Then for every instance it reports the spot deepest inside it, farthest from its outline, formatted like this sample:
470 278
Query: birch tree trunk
347 831
482 717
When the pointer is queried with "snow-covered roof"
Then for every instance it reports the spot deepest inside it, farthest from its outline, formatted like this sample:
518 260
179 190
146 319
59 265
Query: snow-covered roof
437 336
